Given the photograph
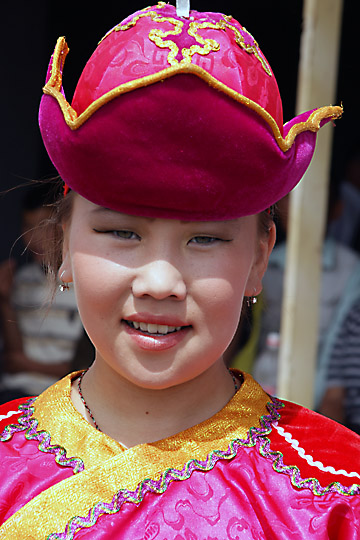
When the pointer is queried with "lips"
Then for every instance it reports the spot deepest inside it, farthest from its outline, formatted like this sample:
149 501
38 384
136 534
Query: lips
155 333
166 336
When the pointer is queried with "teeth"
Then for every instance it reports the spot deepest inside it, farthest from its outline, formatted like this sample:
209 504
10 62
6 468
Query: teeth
154 328
163 328
151 328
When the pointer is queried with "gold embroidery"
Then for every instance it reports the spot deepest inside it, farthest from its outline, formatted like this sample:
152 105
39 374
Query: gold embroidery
157 35
208 44
144 13
152 14
251 49
53 88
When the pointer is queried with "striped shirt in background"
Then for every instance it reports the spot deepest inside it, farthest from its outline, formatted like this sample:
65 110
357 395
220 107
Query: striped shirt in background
344 366
50 328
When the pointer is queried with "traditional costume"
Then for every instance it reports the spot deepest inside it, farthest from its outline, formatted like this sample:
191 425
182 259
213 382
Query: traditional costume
178 117
259 469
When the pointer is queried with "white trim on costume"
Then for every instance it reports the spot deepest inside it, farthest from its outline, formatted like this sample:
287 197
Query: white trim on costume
10 413
295 444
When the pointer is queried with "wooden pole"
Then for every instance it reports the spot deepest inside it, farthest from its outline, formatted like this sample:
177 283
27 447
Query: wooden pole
317 80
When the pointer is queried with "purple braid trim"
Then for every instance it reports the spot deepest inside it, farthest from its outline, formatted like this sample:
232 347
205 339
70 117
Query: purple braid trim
10 429
29 425
294 474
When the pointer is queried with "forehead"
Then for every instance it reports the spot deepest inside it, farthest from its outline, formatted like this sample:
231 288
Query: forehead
93 211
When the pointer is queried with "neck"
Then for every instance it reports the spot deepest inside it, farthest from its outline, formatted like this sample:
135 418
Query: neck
134 415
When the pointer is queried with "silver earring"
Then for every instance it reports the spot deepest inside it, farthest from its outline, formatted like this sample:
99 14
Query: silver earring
63 286
250 300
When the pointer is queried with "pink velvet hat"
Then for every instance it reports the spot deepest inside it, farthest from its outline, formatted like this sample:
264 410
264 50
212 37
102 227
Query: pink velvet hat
177 118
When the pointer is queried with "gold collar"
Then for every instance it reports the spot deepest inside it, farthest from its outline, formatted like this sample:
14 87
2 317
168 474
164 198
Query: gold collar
67 428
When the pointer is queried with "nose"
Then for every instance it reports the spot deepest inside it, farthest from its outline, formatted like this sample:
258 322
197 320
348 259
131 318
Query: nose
159 280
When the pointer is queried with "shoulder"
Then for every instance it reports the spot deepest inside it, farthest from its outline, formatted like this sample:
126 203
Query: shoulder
311 446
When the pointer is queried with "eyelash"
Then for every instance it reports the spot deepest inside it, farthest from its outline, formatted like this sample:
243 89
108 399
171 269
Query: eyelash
208 240
120 234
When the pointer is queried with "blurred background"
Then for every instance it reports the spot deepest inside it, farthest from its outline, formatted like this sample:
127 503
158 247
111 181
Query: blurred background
29 31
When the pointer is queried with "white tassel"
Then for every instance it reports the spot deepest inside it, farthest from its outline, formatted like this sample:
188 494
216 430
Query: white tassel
183 8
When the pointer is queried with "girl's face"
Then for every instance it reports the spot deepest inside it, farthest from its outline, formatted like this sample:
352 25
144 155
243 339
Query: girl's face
161 299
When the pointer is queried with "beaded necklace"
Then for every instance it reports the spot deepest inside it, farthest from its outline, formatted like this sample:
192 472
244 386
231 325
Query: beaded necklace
83 400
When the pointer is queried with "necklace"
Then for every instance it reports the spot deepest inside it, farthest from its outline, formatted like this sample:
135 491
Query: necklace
236 388
236 385
83 399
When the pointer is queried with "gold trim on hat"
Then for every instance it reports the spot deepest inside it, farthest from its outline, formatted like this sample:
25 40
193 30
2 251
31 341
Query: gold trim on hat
207 45
74 121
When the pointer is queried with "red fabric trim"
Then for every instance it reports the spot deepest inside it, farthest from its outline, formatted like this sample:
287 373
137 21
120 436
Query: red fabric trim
11 406
325 440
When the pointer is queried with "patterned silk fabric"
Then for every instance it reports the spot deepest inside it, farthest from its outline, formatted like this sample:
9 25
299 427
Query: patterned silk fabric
258 469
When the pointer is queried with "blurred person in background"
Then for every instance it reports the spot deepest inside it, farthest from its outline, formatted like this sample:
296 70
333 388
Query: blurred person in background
341 400
40 334
340 287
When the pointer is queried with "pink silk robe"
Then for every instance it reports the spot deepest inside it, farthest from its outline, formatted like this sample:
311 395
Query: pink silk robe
259 469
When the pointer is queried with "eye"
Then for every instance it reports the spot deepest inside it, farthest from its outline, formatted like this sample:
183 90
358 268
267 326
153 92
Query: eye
206 240
126 235
122 233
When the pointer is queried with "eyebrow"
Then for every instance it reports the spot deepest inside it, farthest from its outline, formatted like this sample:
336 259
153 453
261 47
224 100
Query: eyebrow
105 210
101 209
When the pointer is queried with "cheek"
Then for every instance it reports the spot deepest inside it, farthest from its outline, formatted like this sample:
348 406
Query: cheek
97 282
227 279
220 298
220 301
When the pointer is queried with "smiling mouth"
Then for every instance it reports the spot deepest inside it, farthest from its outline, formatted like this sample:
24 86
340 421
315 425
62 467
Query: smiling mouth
154 329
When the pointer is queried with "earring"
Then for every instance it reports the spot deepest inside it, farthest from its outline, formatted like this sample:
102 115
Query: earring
250 300
63 286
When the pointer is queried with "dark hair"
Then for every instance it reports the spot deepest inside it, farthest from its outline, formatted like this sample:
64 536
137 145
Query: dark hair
266 219
53 232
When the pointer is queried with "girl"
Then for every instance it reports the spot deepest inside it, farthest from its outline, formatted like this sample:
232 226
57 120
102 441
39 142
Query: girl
172 152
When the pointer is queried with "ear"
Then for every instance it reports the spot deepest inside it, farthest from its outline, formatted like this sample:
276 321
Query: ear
65 270
264 248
